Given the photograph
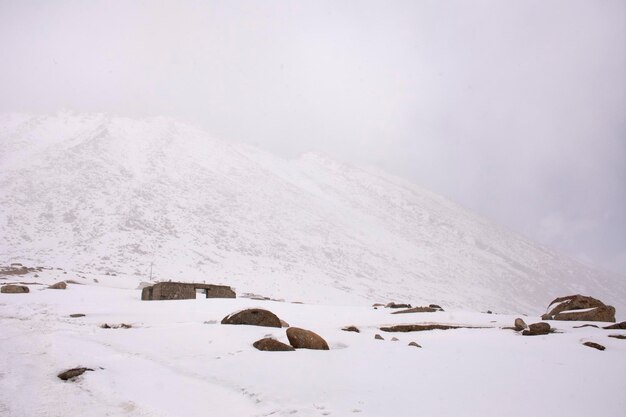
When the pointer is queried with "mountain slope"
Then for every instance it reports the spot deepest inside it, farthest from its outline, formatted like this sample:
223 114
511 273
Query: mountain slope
100 193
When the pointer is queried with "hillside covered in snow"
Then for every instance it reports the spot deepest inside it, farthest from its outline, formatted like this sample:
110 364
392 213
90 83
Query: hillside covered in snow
105 194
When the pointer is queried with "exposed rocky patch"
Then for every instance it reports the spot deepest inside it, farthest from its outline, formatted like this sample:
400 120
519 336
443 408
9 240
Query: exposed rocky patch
616 326
579 308
269 344
417 310
424 327
305 339
594 345
253 317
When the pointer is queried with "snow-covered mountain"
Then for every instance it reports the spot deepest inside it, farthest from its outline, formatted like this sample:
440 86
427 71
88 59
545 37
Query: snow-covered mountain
100 193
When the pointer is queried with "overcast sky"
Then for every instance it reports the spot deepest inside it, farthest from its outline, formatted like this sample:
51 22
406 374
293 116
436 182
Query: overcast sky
516 110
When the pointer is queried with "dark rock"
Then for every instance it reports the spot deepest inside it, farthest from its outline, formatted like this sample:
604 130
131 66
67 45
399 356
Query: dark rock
414 344
394 305
58 286
253 317
351 329
378 305
565 308
14 289
394 339
520 324
489 312
616 326
537 329
417 310
75 315
436 306
272 345
305 339
618 336
73 373
586 325
378 337
594 345
116 326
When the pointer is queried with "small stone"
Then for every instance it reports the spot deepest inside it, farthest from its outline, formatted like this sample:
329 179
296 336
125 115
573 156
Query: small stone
272 345
378 337
351 329
594 345
283 323
414 344
394 339
75 315
73 373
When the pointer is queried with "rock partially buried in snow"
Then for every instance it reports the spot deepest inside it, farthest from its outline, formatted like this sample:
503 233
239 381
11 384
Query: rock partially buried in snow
417 310
272 345
618 336
305 339
394 305
594 345
378 337
14 289
58 286
253 317
76 315
73 373
351 329
283 323
537 329
616 326
579 308
423 327
414 344
520 324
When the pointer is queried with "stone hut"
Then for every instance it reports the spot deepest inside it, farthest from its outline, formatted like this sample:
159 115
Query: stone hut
185 291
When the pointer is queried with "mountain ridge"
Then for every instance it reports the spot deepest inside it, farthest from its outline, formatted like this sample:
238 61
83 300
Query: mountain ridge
116 194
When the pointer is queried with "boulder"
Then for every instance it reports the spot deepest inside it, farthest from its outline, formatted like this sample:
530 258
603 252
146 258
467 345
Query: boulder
58 286
253 317
14 289
351 329
594 345
414 344
579 308
537 329
73 373
305 339
378 337
272 345
616 326
520 324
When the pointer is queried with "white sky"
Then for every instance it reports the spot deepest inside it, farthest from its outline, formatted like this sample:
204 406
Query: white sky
517 110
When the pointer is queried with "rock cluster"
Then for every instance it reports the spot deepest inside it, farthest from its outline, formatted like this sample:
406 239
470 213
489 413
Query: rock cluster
579 308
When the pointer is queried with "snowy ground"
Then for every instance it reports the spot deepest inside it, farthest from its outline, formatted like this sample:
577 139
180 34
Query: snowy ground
178 360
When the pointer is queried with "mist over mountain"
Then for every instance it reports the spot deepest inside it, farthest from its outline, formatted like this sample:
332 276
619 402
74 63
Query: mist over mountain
155 196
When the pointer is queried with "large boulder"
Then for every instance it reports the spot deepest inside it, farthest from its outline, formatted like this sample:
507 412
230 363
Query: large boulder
579 308
272 345
305 339
537 329
253 317
14 289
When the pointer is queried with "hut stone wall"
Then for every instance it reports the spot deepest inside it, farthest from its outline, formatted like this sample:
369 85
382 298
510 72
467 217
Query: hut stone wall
185 291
